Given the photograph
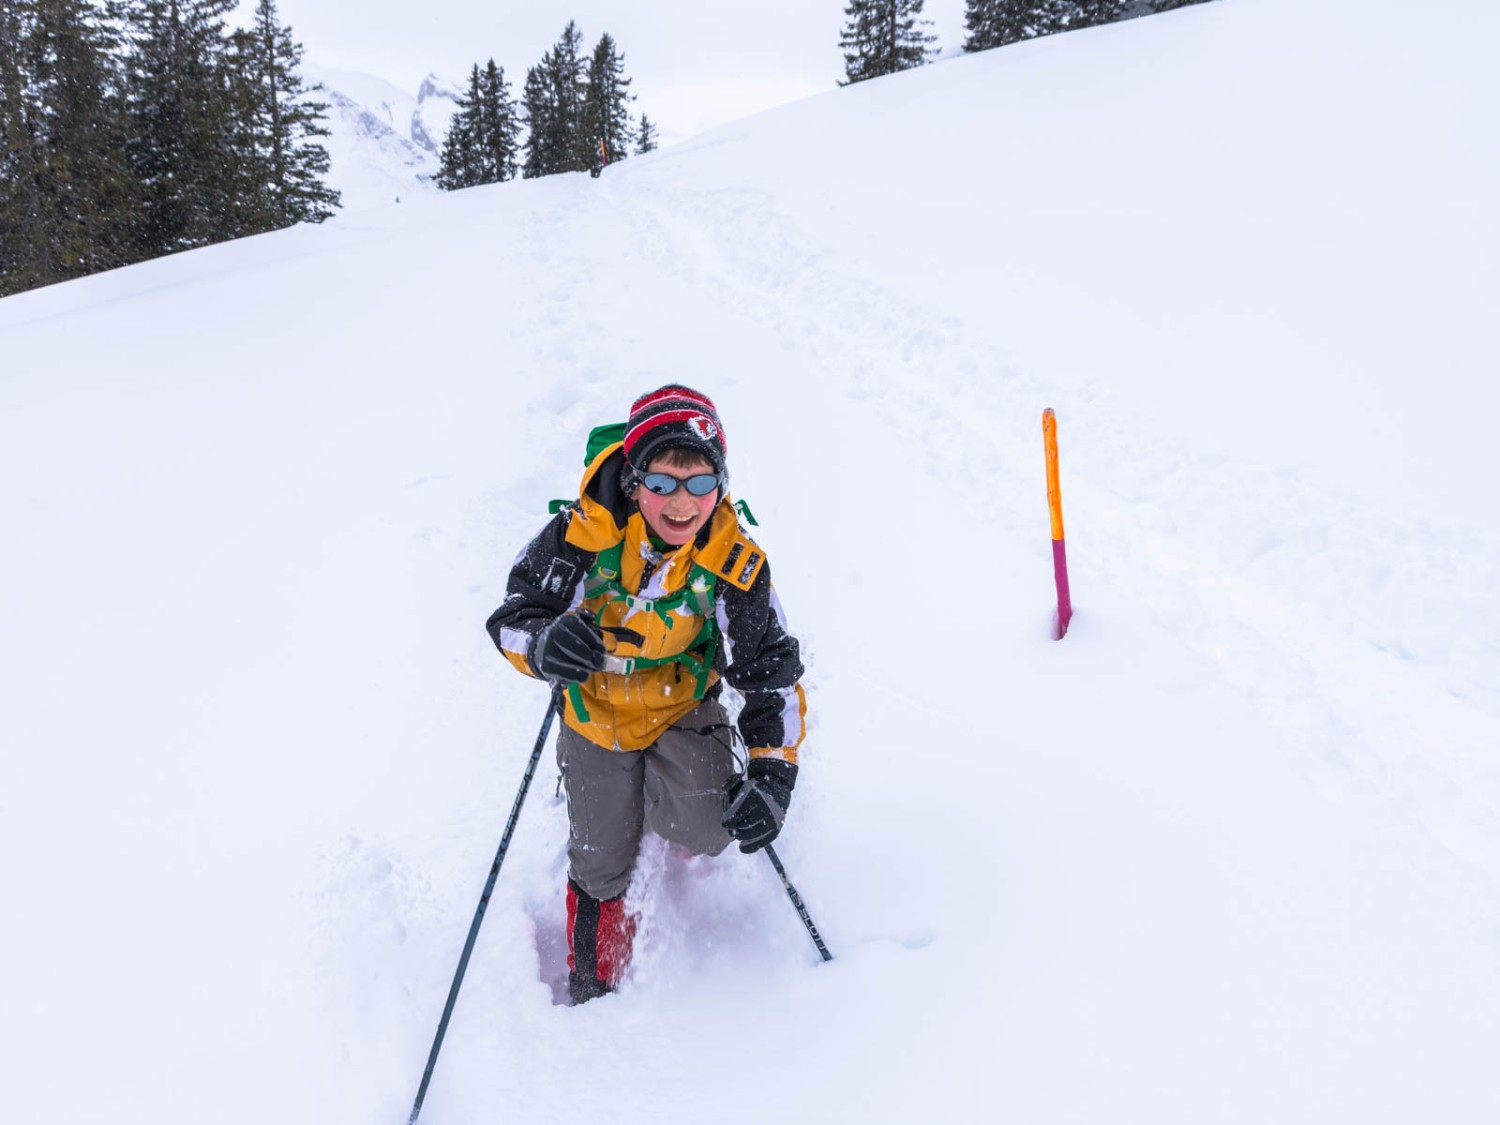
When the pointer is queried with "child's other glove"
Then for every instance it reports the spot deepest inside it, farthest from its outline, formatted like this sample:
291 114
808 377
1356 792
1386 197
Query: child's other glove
755 805
568 648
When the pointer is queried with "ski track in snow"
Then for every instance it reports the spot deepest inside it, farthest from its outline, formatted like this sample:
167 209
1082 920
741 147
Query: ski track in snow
1276 596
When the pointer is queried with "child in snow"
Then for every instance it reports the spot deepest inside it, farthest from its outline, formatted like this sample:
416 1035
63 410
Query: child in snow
641 598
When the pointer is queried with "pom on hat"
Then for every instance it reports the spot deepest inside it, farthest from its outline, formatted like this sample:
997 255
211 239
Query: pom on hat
674 417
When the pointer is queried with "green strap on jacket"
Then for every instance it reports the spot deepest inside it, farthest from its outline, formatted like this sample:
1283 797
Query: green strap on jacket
698 657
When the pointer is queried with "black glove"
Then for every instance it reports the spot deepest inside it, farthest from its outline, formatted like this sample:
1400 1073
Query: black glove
756 804
568 648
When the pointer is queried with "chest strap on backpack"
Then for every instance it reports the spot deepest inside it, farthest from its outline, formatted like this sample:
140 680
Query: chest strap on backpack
604 578
699 655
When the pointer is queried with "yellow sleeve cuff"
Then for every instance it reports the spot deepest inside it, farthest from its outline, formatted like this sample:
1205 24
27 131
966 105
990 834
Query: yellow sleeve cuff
784 753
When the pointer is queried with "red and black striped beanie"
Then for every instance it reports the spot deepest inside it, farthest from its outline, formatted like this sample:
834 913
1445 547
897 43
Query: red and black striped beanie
674 417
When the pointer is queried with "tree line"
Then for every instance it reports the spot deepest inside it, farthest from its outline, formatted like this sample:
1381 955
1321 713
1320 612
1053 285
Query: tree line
885 36
130 129
574 108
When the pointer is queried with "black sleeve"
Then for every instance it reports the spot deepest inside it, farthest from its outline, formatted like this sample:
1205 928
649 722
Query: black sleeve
544 583
762 663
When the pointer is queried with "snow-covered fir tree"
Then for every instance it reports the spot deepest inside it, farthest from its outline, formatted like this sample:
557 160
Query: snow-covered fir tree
1168 5
606 120
883 36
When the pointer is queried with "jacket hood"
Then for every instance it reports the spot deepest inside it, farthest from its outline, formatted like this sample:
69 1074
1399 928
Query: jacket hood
603 510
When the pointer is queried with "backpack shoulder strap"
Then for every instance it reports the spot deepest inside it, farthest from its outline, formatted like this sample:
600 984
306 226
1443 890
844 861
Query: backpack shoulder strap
605 573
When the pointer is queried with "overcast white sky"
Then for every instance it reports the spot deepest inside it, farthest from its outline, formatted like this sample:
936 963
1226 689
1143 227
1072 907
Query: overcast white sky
695 63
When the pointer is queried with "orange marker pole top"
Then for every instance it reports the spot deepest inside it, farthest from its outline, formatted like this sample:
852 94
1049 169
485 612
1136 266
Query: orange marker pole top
1054 489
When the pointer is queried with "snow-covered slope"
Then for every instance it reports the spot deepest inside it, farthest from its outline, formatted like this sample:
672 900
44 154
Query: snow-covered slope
383 143
1229 852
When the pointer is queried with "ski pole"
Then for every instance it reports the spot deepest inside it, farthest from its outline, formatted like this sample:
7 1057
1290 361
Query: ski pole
797 902
553 707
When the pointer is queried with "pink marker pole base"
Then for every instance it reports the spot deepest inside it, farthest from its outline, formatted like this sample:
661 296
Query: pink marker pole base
1064 599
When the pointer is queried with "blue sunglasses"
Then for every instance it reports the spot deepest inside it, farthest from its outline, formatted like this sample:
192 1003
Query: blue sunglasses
664 485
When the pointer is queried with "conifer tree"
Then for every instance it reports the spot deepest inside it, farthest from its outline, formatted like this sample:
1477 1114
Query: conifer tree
481 145
24 261
645 136
569 85
499 128
92 192
994 23
1093 13
883 36
183 146
981 19
282 166
67 193
553 103
606 120
1168 5
458 164
133 128
537 108
245 159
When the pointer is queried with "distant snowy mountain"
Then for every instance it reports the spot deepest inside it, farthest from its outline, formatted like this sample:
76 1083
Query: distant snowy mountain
437 102
384 142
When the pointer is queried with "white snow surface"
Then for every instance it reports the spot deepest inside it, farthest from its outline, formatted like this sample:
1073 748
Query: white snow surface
1229 852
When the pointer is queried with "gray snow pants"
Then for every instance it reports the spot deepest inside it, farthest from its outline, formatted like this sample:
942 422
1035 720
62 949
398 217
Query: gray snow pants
675 787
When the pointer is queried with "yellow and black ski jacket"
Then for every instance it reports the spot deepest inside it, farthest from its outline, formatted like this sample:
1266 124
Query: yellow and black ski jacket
676 622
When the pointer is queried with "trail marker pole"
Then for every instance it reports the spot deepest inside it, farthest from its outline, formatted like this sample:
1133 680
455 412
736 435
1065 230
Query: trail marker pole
1059 548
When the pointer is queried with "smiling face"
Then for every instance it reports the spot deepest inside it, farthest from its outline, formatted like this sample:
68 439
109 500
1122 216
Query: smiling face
680 516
